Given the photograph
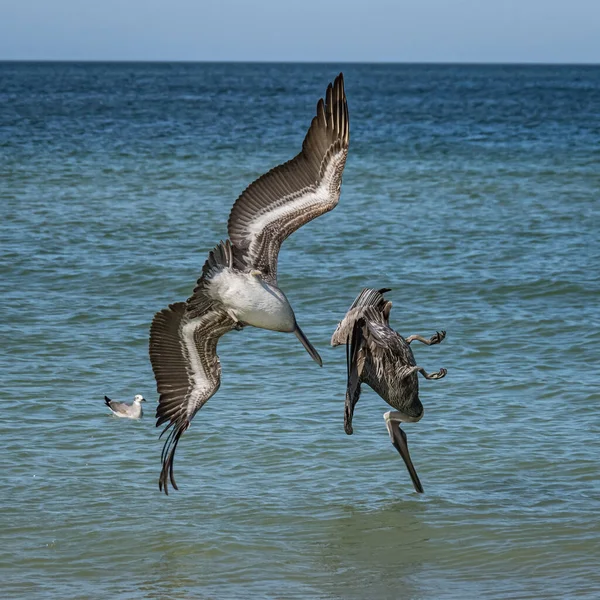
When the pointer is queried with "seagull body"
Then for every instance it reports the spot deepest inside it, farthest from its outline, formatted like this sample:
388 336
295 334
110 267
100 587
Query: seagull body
380 357
238 285
126 411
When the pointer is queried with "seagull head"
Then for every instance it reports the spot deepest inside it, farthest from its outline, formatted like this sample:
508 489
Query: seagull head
139 398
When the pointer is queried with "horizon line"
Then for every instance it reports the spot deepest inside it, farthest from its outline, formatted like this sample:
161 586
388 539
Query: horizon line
300 62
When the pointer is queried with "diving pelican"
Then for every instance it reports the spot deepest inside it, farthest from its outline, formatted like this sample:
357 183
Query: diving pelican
238 285
380 357
126 411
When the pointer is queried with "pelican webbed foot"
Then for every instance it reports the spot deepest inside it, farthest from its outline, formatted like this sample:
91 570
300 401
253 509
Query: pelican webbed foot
439 375
416 369
436 338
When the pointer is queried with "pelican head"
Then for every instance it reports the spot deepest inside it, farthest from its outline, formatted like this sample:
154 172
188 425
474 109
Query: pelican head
400 442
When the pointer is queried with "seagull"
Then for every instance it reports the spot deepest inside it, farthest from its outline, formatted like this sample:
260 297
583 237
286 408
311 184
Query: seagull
126 411
380 357
238 285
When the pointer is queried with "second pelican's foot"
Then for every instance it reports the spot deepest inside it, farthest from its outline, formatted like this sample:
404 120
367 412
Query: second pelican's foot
439 375
437 337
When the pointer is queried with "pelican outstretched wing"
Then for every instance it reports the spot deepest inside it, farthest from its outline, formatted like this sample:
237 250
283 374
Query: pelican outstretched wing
296 192
183 353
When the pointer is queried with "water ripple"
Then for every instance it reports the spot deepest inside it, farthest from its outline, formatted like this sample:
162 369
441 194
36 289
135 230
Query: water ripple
471 191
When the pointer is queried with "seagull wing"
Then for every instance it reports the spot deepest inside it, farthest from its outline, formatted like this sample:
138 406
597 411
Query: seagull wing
115 406
296 192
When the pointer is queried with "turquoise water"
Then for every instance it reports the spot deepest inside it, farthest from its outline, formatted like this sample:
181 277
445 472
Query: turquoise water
473 192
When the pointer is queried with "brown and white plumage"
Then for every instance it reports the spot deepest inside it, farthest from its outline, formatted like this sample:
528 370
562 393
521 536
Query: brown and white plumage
380 357
238 285
183 353
296 192
366 298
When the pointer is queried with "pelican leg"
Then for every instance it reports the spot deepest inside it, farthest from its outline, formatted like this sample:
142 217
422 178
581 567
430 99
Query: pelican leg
400 442
436 338
441 373
407 371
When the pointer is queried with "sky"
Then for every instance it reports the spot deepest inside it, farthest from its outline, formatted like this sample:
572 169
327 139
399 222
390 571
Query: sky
546 31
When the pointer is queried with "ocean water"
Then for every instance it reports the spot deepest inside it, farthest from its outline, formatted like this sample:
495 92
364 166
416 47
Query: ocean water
471 191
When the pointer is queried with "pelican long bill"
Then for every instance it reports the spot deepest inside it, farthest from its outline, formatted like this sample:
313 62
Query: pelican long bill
309 347
400 442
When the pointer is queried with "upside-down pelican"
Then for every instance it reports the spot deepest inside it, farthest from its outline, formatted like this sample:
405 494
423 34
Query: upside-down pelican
238 285
380 357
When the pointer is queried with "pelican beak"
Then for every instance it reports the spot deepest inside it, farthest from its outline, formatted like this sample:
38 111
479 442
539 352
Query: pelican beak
309 347
400 442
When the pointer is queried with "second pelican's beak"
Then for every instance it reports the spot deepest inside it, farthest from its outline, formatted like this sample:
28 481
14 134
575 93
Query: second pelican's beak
309 347
400 442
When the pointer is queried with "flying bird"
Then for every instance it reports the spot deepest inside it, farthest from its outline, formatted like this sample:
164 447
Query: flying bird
126 411
238 285
380 357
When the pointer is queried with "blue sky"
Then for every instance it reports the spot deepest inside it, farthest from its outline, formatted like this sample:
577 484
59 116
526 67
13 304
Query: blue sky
302 30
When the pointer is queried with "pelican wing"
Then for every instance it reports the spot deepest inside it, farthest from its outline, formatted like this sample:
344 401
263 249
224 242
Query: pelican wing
355 362
370 297
367 298
387 349
183 353
296 192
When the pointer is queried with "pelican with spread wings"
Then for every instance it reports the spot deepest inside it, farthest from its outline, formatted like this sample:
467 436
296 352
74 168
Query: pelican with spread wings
380 357
238 286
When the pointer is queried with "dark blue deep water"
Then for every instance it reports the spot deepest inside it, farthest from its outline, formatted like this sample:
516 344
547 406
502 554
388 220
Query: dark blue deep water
472 191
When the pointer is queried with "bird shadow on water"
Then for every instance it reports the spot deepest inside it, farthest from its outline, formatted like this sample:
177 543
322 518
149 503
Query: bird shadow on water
349 552
379 553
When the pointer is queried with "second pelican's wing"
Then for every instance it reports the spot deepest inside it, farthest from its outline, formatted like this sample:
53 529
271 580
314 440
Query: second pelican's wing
367 298
355 362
